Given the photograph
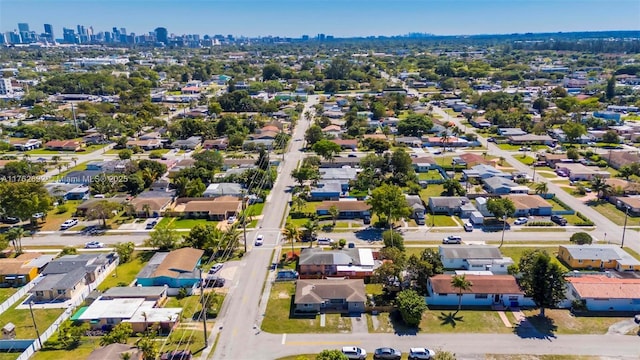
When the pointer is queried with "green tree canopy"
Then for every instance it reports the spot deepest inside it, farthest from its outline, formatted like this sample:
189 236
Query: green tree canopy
326 148
331 355
414 125
542 279
581 238
411 306
388 201
501 207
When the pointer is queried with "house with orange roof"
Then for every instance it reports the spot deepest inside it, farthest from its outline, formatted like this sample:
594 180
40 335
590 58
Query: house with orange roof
485 290
605 293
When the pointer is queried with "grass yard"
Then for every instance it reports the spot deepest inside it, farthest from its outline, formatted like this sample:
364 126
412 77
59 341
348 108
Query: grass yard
278 318
21 318
87 345
566 323
6 293
445 321
430 175
615 215
79 167
516 253
55 219
179 223
255 209
190 305
527 160
431 190
186 338
510 147
556 205
440 220
546 174
126 273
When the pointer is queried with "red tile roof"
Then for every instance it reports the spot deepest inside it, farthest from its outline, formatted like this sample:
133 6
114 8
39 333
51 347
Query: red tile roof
603 287
481 284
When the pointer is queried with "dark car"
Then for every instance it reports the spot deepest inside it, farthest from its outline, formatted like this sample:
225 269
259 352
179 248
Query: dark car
177 355
214 281
559 220
387 353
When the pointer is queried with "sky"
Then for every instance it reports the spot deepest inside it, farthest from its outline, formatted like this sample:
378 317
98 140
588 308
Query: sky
341 18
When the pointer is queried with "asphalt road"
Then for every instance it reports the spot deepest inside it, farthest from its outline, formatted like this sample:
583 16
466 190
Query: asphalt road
240 312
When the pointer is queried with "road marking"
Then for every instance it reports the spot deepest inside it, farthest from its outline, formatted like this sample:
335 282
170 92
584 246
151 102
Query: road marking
311 343
235 332
284 338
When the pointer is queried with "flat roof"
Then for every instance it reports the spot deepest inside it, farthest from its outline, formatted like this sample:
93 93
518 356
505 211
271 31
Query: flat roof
115 309
155 315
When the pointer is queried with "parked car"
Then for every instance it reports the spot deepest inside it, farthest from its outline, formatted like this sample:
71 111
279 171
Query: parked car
259 240
325 241
559 220
177 355
94 245
367 220
354 353
421 353
521 221
68 224
468 227
387 353
214 281
452 239
284 275
10 220
151 225
231 219
215 268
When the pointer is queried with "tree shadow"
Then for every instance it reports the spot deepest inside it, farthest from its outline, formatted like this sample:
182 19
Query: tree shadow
450 319
536 327
399 326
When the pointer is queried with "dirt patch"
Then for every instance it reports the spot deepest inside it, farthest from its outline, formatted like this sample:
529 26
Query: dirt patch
283 295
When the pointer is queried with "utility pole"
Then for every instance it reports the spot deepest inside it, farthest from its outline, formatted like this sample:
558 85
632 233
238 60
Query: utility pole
204 310
504 226
624 229
35 325
244 220
75 121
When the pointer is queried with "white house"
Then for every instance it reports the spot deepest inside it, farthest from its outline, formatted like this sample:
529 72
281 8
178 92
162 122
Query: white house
486 290
474 258
603 293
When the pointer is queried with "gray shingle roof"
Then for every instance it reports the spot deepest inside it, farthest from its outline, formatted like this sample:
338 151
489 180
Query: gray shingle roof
316 256
470 252
600 252
317 291
60 281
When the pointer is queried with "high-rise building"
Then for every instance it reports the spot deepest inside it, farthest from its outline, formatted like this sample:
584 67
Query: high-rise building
69 36
23 30
162 35
48 32
5 86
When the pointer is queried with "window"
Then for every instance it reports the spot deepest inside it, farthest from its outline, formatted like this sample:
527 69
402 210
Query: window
481 296
442 294
62 291
39 293
579 261
513 298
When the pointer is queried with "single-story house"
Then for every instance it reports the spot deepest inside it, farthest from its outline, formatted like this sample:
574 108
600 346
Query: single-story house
339 162
77 193
351 144
348 209
423 163
80 177
552 159
26 145
218 209
82 209
103 314
22 269
579 172
628 203
474 258
531 139
255 143
483 171
618 159
410 141
190 143
472 159
110 166
328 190
150 206
223 189
176 269
417 208
156 294
352 263
60 287
511 132
605 293
530 205
216 144
151 136
264 135
345 174
448 205
63 145
93 139
330 295
450 141
486 290
501 185
597 257
150 144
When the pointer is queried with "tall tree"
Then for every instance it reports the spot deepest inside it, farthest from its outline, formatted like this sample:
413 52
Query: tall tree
501 207
414 125
389 201
23 199
411 306
326 148
124 251
541 188
600 186
611 87
573 131
542 279
291 233
103 210
163 238
311 227
460 283
334 212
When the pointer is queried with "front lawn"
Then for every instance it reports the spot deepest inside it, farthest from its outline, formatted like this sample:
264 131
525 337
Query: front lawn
86 347
515 253
6 293
440 220
444 321
527 160
566 323
21 318
190 306
615 215
179 223
55 219
126 273
430 175
255 209
431 190
510 147
278 318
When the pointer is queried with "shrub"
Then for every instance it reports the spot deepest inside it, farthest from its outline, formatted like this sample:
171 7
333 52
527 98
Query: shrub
182 293
61 209
540 223
581 238
155 155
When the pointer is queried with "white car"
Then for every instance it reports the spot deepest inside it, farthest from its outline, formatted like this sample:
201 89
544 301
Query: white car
354 353
453 239
93 245
521 221
231 219
215 268
68 224
325 241
421 353
259 240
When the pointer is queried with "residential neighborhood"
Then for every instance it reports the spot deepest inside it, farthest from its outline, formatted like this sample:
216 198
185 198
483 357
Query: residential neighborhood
424 197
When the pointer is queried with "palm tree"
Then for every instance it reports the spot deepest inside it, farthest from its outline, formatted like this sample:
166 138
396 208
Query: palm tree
334 212
600 186
444 138
55 159
147 210
298 203
461 283
75 161
15 235
291 233
232 236
182 185
311 228
541 188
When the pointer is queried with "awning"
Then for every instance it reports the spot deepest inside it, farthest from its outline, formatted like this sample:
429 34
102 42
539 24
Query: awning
79 313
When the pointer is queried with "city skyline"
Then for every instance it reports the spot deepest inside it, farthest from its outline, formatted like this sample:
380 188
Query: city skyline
288 18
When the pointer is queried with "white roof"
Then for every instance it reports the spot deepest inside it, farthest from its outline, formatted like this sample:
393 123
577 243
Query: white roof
366 257
155 315
114 309
471 272
356 268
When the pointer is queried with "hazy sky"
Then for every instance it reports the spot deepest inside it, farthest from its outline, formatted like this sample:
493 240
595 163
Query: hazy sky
336 17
